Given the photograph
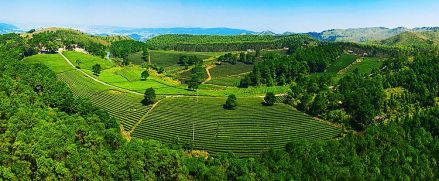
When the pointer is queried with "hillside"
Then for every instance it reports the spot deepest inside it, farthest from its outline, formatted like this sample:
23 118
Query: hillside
50 128
365 34
426 38
358 34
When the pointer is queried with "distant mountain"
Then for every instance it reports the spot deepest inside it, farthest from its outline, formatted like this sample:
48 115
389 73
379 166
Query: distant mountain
372 34
8 28
266 33
418 38
358 34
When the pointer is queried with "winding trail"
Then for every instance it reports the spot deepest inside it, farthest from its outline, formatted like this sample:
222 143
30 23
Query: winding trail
209 77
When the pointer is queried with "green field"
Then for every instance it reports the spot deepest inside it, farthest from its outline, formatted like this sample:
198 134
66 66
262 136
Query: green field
87 61
53 61
248 130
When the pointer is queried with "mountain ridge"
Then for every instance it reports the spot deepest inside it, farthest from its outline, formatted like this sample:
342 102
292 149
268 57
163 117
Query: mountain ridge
359 35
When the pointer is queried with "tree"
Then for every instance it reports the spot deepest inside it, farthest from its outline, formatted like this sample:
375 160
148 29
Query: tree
193 83
145 74
149 96
319 105
269 99
230 102
31 31
96 69
197 75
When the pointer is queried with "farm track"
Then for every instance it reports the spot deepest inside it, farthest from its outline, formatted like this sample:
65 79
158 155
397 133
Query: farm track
209 77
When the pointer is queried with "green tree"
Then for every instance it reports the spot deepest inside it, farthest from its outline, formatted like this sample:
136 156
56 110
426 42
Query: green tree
145 74
31 31
196 77
97 69
149 96
231 102
319 105
269 99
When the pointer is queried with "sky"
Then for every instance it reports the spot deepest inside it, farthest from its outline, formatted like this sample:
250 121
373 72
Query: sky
257 15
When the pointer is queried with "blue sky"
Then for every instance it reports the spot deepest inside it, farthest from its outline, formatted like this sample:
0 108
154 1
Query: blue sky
257 15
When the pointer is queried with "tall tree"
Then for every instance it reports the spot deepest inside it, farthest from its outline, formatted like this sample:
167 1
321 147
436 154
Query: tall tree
270 99
145 74
149 96
231 102
97 69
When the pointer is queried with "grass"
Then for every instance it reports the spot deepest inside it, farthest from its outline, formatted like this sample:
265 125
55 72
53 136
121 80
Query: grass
87 61
246 131
54 61
129 73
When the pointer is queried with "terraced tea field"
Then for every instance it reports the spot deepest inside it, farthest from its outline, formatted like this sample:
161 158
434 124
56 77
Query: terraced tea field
229 75
246 131
126 107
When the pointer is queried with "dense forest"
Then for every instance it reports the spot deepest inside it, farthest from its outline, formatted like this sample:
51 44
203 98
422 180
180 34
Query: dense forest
213 43
124 48
46 133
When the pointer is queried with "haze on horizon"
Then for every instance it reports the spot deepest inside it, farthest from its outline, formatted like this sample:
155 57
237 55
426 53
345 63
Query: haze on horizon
256 15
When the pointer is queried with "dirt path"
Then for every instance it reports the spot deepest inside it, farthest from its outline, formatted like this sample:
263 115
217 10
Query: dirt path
209 77
96 80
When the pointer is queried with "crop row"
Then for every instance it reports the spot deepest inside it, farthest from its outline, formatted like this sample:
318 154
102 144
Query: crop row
248 130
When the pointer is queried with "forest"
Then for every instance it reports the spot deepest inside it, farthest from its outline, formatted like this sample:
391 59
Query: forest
48 134
211 43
